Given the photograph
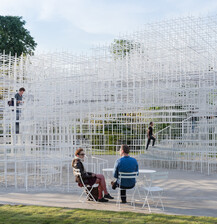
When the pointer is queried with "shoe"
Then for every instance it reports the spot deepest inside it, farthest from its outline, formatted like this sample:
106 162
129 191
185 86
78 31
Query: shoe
123 201
108 196
102 200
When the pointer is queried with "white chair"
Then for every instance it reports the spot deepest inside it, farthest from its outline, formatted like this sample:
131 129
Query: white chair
127 175
85 191
154 189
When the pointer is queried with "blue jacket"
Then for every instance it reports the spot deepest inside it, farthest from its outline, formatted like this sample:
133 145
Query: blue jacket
126 164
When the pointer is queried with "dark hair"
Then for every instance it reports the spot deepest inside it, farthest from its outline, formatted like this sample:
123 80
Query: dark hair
78 151
125 148
150 123
22 89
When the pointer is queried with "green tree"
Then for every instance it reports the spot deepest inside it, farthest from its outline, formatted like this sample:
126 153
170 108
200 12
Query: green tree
121 47
14 38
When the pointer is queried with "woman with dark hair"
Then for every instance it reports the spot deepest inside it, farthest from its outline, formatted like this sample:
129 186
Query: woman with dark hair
90 178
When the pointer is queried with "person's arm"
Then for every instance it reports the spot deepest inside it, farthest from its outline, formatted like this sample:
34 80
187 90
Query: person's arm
16 97
84 174
17 100
90 174
148 133
115 173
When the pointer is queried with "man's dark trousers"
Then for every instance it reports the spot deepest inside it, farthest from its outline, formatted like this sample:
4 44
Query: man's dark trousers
149 140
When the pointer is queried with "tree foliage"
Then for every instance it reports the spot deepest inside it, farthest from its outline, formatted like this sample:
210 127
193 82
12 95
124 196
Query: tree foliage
122 47
14 38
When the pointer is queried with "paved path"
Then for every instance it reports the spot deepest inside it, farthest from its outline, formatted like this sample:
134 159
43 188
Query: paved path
187 193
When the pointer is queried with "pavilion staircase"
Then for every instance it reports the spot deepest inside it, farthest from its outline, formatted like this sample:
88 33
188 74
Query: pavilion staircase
193 147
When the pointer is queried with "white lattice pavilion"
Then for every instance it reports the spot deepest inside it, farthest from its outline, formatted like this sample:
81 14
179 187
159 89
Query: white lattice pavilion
166 73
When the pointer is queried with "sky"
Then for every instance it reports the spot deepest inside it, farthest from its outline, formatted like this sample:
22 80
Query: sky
79 25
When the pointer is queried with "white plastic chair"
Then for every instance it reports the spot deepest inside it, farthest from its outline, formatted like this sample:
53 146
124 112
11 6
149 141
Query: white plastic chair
127 175
85 191
154 189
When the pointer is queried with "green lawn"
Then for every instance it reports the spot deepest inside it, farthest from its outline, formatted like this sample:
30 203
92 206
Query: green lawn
112 152
15 214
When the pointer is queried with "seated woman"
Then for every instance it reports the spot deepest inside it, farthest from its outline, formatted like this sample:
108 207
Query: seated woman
90 178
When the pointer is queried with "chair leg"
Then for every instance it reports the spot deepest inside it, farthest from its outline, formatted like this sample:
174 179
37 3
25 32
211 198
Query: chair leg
133 200
160 200
118 199
146 201
160 194
83 192
152 197
88 194
80 197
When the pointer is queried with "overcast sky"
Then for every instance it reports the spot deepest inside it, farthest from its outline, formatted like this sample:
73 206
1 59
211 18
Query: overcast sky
77 25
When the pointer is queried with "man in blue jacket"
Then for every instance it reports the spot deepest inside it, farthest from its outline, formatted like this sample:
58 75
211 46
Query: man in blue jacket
124 164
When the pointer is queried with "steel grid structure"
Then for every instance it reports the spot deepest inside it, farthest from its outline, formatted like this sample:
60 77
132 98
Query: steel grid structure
165 73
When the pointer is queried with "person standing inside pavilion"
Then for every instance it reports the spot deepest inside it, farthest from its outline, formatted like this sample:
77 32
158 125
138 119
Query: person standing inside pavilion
150 135
19 101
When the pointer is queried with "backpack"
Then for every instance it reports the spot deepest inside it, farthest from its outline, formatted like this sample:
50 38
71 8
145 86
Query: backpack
11 102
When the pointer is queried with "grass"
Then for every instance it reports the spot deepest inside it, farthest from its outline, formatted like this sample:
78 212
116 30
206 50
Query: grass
112 152
102 152
16 214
